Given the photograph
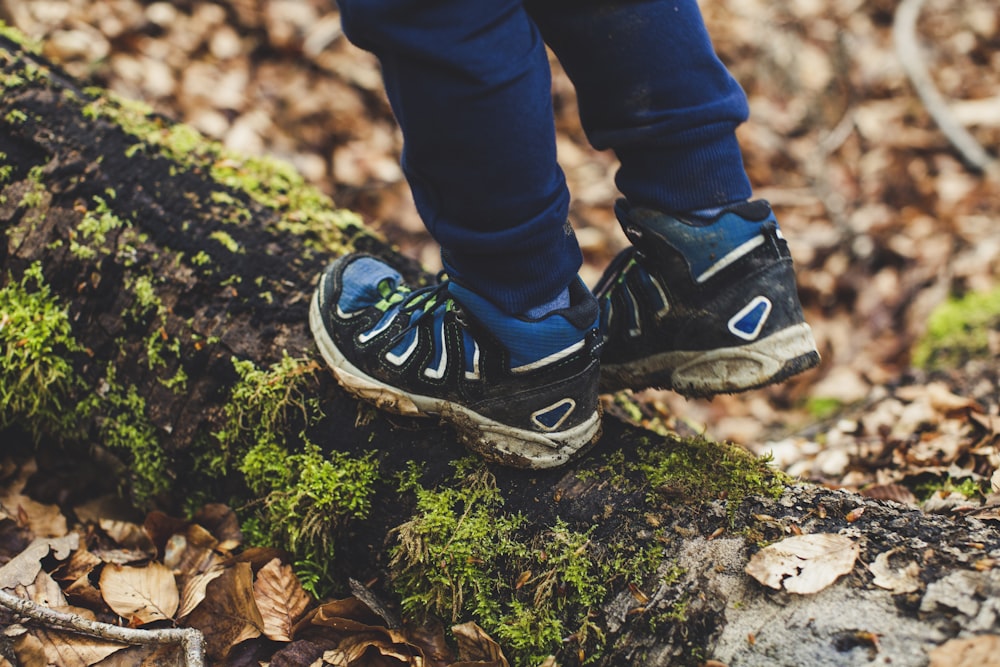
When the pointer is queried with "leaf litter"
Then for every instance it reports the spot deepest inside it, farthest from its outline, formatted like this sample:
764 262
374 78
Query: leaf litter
182 573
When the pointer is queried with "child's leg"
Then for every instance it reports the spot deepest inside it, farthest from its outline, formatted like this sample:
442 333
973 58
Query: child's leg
651 88
706 301
469 83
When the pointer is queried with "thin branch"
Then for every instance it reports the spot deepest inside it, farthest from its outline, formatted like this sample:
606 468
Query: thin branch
191 640
904 34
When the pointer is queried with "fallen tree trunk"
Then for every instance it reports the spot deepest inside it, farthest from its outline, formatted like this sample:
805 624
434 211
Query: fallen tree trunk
153 296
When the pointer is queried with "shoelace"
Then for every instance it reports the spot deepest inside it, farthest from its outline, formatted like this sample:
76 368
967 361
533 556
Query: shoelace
430 299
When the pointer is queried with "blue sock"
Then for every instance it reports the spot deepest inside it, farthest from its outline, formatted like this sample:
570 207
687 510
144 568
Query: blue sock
541 310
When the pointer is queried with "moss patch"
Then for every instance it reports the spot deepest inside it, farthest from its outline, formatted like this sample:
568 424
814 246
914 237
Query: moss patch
302 209
699 470
306 496
38 385
958 330
462 556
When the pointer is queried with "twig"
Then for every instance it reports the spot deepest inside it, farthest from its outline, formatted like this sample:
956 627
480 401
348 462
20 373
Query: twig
191 640
904 35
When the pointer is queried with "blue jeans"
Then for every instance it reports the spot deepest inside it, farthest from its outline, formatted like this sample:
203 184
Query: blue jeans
470 86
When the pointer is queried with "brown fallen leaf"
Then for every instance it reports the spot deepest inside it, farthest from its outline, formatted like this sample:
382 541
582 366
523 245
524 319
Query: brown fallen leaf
280 599
46 646
193 590
145 594
804 563
896 579
44 591
979 651
42 519
475 646
362 631
228 615
222 523
25 566
192 552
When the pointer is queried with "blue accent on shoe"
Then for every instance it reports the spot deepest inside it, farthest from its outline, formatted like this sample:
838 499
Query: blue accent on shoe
551 417
527 341
362 278
703 246
748 322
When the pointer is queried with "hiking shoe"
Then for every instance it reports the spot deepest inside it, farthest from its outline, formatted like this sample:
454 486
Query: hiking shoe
702 307
519 392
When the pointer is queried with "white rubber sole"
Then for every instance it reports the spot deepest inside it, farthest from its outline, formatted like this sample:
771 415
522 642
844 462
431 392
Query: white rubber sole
494 441
720 371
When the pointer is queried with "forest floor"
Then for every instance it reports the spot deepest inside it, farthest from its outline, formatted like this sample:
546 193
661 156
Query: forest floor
884 220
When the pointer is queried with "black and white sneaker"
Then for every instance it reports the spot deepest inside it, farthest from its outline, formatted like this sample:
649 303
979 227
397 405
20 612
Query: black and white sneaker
702 307
519 392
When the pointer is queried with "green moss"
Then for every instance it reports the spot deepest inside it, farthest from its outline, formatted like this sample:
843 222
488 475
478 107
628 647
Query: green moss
447 556
947 484
958 330
701 470
6 169
91 234
305 495
124 426
38 385
820 407
302 209
16 117
15 35
227 241
34 196
305 498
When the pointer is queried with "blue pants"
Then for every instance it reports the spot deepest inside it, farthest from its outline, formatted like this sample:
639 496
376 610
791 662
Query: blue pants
470 86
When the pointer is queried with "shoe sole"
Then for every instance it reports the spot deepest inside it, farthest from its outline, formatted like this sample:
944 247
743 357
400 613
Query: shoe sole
730 370
500 443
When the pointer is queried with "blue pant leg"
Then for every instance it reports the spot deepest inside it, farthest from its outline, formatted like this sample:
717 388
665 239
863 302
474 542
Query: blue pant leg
651 88
469 83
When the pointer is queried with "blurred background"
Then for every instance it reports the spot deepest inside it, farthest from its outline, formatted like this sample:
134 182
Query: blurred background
884 220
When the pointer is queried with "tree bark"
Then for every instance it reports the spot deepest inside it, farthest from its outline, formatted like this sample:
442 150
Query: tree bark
231 250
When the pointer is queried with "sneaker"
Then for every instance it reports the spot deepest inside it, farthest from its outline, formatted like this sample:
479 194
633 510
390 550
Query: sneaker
519 392
702 307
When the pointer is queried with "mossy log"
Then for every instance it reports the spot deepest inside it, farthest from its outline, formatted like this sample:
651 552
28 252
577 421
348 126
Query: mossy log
153 296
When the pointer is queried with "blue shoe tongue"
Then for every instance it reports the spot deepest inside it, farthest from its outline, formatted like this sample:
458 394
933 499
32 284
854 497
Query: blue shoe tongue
527 341
361 281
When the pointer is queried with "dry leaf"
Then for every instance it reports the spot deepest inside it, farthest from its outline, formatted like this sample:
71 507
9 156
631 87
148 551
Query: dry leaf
228 614
804 563
46 646
24 567
979 651
146 594
280 599
221 522
44 591
474 645
128 535
362 630
193 590
153 655
43 520
193 552
896 579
